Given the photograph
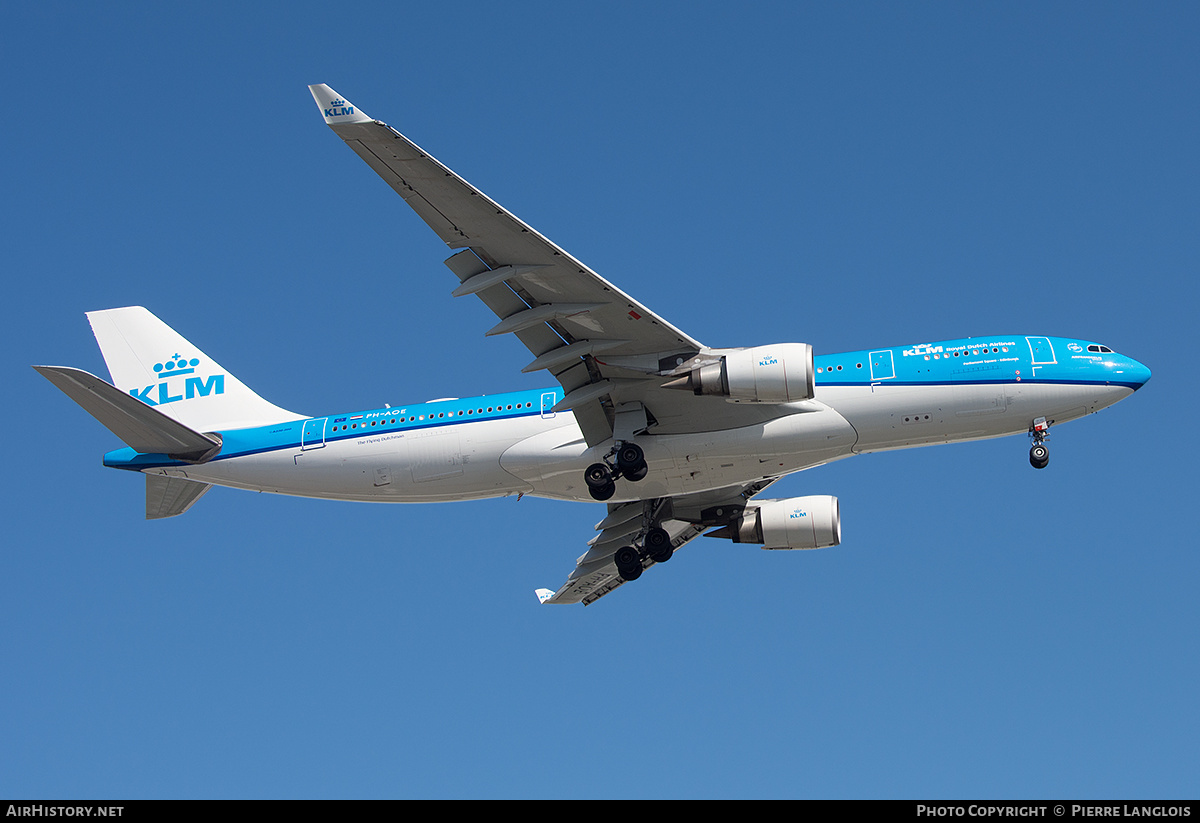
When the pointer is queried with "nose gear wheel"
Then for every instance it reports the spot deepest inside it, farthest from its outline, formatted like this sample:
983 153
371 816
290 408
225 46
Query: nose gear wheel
1039 455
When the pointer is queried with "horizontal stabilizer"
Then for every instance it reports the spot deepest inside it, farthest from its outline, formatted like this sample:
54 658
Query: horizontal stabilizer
170 496
144 429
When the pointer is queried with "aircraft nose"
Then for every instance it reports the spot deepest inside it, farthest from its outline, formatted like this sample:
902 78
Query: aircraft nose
1138 373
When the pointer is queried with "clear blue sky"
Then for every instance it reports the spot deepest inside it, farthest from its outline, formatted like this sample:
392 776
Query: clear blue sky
848 175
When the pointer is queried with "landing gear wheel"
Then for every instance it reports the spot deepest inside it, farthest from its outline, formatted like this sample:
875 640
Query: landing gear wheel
631 462
637 474
597 475
630 456
1039 456
599 481
629 563
603 492
658 545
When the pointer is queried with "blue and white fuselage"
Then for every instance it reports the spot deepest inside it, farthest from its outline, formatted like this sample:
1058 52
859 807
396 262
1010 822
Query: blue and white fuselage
497 445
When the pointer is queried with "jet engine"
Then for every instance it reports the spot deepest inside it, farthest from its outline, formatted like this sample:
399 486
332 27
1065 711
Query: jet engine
781 373
812 522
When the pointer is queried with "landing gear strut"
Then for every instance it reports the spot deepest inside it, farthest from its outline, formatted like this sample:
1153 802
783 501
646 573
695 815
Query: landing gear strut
1039 455
625 460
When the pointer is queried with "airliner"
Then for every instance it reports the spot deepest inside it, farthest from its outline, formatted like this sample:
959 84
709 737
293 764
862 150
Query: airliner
678 439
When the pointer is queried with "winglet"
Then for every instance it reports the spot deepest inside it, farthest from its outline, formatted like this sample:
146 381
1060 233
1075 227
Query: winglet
544 595
335 108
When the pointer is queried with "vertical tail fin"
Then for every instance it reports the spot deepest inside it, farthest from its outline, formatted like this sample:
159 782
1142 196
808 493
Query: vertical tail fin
154 363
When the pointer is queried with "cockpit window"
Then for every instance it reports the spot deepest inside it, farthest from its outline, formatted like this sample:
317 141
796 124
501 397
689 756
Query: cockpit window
1100 349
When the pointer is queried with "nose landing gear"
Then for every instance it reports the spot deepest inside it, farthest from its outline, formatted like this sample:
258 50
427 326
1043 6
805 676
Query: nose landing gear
1039 455
625 460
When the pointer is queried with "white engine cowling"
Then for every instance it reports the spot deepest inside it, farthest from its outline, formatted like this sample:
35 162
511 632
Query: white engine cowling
782 373
812 522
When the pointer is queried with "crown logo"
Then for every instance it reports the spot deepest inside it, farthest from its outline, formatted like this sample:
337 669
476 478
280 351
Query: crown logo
176 365
338 102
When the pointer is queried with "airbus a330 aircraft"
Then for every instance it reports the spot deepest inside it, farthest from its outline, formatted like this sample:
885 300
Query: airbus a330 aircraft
680 439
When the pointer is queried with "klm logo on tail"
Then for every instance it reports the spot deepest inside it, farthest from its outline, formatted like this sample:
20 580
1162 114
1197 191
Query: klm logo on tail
169 374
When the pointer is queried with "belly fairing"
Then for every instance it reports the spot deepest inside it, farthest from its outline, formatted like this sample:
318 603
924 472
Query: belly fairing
552 463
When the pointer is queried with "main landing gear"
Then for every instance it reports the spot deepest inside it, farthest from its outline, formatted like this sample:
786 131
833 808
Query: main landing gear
625 460
656 545
1039 455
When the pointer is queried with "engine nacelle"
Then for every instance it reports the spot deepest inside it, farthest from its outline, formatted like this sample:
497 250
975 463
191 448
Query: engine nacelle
782 373
812 522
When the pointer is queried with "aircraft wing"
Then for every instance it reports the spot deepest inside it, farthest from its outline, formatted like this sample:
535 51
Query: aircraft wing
605 348
685 517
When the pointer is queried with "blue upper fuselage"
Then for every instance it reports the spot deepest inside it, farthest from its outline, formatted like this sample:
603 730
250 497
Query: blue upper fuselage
381 423
972 360
997 359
